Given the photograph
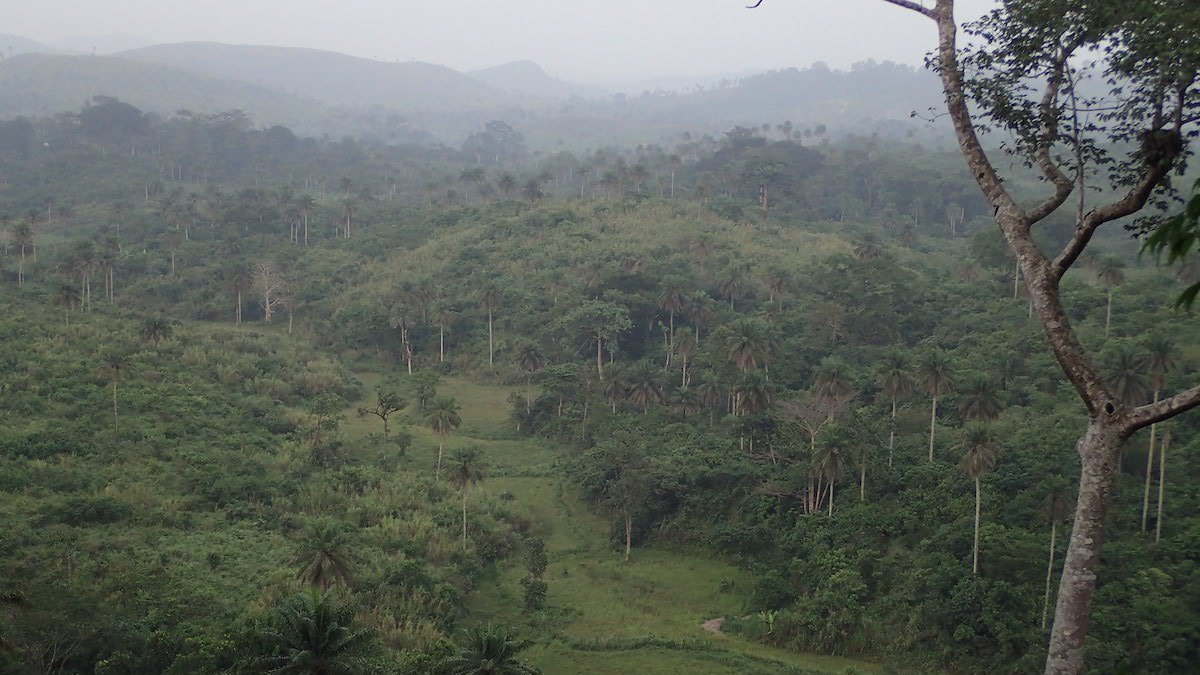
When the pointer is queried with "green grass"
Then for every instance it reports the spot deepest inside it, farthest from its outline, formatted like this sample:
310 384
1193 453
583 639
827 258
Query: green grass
605 615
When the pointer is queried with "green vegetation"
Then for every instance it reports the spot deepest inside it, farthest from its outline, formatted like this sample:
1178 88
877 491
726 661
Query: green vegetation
273 404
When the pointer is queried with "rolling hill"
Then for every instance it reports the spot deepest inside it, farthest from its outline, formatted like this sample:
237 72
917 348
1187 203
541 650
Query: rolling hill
333 78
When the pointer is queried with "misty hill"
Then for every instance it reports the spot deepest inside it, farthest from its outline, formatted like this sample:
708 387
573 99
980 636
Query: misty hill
11 45
331 77
530 79
40 84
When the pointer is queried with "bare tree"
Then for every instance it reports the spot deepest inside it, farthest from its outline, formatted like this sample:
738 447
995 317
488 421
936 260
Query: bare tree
268 284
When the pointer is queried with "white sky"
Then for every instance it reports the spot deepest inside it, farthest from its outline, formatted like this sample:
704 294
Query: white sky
592 41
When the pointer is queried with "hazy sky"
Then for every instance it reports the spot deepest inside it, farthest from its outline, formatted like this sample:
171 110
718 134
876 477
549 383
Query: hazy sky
597 40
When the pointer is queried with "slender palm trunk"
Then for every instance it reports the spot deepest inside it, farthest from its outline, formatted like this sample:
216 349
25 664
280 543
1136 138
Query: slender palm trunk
975 547
239 307
932 424
1108 314
862 482
600 361
892 433
831 499
1016 280
1149 471
628 534
491 342
464 517
441 344
1049 573
115 423
1162 482
437 472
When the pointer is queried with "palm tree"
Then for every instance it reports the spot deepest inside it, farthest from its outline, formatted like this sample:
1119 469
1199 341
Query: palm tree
894 382
113 364
672 299
1055 507
979 398
530 360
746 344
309 634
936 379
489 299
442 416
22 237
1128 380
643 385
305 204
156 329
323 555
831 457
488 650
1162 481
699 311
1111 272
733 286
979 457
443 317
465 471
67 297
832 381
752 393
1160 357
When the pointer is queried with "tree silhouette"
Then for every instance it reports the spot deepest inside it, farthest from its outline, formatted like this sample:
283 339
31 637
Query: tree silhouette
386 404
980 453
1160 359
1056 507
114 364
442 417
936 378
309 634
323 555
488 650
894 382
980 400
465 471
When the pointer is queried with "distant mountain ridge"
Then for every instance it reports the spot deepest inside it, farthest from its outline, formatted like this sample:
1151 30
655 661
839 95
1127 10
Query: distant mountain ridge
331 77
528 78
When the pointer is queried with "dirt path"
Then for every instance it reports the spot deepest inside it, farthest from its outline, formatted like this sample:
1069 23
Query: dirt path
713 625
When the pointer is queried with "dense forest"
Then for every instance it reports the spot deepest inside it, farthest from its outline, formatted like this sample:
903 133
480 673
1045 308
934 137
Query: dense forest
282 404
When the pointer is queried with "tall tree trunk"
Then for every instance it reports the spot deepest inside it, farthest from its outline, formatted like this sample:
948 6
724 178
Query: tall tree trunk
464 516
115 421
1149 471
600 362
441 344
1049 573
1098 449
892 433
862 482
1108 314
932 424
1016 279
628 533
239 307
975 546
1162 482
830 498
491 344
437 472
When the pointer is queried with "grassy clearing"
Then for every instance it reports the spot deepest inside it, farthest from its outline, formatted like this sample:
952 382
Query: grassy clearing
605 615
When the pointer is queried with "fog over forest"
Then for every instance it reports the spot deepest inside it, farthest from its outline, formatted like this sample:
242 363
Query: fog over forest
544 337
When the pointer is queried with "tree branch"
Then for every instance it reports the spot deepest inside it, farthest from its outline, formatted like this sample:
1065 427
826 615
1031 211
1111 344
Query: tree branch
914 6
1146 415
1049 111
1130 204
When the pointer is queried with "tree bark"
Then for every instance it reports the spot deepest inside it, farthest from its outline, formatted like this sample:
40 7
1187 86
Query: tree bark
1098 449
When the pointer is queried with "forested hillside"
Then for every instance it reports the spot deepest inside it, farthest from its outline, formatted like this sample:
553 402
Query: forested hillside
718 404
